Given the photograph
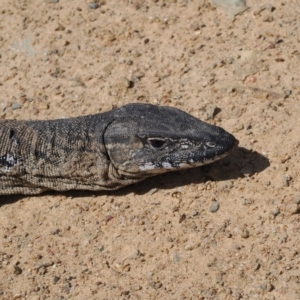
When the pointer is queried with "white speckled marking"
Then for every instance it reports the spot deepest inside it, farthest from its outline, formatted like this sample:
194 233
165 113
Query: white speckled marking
183 165
147 166
10 160
167 165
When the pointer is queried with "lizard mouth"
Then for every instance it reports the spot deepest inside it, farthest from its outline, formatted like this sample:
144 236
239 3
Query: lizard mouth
190 158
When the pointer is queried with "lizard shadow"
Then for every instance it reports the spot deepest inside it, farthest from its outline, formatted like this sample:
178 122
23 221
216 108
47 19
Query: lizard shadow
10 199
240 163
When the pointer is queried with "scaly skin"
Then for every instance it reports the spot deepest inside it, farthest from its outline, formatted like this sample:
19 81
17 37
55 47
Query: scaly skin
104 151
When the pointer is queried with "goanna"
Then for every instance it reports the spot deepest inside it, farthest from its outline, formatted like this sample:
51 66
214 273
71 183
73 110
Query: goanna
105 151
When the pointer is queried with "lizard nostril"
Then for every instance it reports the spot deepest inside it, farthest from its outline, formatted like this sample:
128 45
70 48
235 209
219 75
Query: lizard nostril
211 144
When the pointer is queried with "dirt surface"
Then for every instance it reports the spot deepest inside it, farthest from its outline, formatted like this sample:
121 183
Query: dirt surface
226 231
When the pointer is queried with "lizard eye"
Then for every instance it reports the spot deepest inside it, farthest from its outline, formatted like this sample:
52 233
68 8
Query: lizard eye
211 144
157 143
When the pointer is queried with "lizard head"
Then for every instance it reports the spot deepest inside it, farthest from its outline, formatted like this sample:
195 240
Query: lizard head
144 140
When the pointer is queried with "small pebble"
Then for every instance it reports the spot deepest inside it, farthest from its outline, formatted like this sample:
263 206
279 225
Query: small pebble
154 217
175 208
176 258
176 194
297 200
228 60
228 235
126 267
287 92
93 5
156 79
269 287
182 218
214 207
251 79
17 270
286 180
211 112
125 83
195 213
59 27
268 18
107 70
247 170
245 233
256 266
137 76
153 191
293 209
191 246
246 201
232 7
269 7
43 106
56 279
275 212
55 231
15 106
194 26
283 238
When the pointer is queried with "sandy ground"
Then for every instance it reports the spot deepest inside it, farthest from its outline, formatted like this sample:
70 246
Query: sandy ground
159 239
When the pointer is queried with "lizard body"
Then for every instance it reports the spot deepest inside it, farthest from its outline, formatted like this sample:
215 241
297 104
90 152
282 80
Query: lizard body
104 151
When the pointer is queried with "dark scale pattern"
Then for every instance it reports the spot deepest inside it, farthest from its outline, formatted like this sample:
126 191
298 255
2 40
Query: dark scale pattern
104 151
